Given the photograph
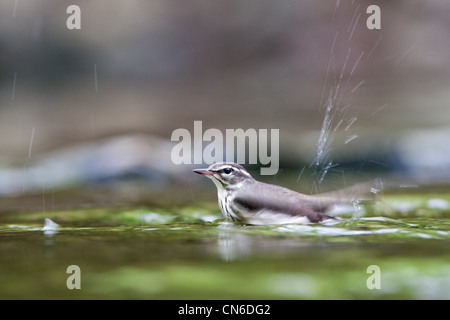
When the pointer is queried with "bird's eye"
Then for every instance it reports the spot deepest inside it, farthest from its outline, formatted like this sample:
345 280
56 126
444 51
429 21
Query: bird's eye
227 170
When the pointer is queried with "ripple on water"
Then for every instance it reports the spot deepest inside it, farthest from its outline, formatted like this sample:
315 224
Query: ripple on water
368 226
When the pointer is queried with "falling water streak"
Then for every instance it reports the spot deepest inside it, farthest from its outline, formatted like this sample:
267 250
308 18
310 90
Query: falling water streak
349 77
344 66
324 133
374 47
326 138
325 82
380 108
353 19
314 188
31 143
14 86
341 75
356 63
346 107
330 63
350 123
357 86
301 173
327 134
334 11
325 171
322 163
333 134
354 26
404 55
334 42
95 77
15 8
351 138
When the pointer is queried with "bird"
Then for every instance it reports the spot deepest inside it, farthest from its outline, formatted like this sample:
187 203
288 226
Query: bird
246 200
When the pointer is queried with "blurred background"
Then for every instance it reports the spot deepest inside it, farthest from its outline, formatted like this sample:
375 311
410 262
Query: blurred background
89 109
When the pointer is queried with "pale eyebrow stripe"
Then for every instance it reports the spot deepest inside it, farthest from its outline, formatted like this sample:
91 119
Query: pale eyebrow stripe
245 172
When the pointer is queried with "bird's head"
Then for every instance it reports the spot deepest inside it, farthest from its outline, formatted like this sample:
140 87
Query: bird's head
227 175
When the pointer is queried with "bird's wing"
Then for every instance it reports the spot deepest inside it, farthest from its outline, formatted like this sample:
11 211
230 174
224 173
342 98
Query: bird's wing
357 192
267 197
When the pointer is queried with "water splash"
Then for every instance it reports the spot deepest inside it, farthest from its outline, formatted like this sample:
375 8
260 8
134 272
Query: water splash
337 82
357 86
351 138
331 123
325 170
350 123
50 228
358 209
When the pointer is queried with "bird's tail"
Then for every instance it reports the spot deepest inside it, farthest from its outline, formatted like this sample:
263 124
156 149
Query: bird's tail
364 191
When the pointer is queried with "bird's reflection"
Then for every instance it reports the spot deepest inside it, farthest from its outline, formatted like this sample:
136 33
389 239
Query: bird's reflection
238 242
232 244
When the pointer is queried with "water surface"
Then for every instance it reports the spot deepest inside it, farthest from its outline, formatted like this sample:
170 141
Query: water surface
192 253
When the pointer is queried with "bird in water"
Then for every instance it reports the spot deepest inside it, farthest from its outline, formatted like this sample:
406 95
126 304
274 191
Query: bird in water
244 199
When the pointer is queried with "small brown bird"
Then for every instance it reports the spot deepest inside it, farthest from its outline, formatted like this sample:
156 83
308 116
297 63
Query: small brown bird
246 200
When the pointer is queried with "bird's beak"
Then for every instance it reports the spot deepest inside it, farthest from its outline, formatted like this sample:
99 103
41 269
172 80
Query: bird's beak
204 172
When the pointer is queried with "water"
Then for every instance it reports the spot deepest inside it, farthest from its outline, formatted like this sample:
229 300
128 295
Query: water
342 66
192 253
